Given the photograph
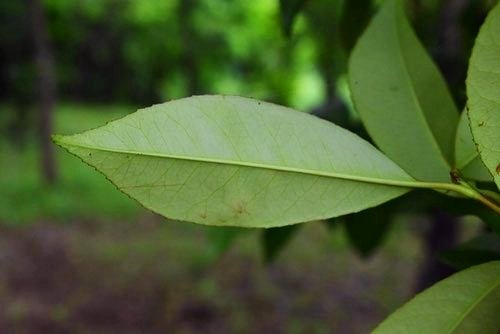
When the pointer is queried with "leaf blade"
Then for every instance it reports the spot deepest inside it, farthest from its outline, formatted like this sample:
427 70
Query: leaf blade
466 155
483 83
397 89
221 160
467 302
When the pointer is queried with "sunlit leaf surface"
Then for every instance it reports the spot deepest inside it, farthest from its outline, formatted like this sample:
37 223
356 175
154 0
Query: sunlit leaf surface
483 92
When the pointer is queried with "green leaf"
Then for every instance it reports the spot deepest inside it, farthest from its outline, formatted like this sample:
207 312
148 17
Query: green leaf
367 229
402 98
466 302
484 248
483 93
222 160
275 239
466 156
367 234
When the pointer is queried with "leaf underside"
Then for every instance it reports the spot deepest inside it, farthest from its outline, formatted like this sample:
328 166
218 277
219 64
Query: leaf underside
402 98
226 160
466 155
467 302
483 92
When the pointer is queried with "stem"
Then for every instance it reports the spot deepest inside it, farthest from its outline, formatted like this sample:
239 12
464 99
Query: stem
462 188
477 195
488 203
490 194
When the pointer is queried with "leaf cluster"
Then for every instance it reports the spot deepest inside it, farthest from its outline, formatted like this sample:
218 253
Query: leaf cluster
234 161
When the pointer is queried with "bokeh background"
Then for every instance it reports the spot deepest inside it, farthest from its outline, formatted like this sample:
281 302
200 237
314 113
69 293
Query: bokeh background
78 256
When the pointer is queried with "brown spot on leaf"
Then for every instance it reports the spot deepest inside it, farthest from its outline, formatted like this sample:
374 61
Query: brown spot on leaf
240 208
498 169
203 215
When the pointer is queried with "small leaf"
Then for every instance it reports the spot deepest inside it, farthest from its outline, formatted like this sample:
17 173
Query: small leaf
402 98
466 302
367 229
222 160
275 239
482 249
466 156
483 92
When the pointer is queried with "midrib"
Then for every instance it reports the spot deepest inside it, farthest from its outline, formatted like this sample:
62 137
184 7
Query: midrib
366 179
416 100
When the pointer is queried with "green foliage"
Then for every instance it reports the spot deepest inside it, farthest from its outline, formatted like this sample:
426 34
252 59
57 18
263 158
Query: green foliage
396 88
366 229
467 302
483 103
219 160
466 156
230 161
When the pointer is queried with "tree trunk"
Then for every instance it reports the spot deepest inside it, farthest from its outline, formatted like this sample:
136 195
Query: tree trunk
45 88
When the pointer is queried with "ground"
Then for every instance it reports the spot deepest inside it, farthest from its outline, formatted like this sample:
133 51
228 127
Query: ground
155 276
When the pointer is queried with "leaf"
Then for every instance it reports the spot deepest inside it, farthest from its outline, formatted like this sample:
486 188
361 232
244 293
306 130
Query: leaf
484 248
402 98
289 9
483 93
466 302
275 239
367 229
222 160
365 233
466 156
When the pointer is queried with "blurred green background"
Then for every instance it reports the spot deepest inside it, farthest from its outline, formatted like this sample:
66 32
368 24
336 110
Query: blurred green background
76 255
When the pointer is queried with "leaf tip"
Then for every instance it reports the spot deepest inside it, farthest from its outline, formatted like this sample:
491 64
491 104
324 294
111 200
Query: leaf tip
59 140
